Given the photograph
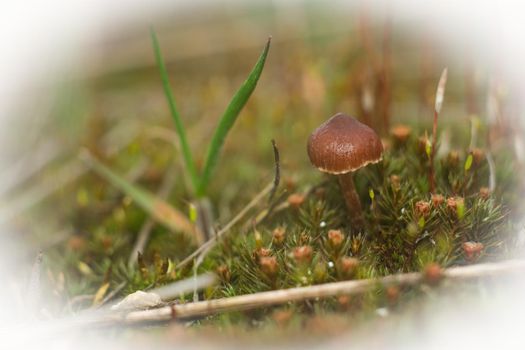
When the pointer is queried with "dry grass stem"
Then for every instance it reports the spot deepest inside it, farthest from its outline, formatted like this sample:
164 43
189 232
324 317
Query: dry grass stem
142 238
208 245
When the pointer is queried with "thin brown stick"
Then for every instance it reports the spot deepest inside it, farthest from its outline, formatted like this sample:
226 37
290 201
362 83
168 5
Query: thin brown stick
276 297
277 176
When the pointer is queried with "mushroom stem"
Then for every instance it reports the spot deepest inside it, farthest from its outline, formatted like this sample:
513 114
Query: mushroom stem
346 181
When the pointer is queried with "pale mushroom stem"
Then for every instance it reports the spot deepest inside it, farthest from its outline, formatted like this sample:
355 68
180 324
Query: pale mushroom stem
346 181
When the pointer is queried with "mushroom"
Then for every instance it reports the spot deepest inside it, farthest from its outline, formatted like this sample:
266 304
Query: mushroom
340 146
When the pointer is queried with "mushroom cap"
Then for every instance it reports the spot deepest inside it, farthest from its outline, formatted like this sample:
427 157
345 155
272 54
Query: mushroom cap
342 145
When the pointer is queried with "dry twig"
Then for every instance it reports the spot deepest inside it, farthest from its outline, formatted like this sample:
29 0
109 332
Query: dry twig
257 300
277 177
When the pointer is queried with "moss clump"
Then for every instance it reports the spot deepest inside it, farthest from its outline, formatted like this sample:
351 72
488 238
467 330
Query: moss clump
407 227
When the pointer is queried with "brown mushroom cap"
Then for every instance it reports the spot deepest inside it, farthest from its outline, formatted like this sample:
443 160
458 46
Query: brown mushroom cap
342 144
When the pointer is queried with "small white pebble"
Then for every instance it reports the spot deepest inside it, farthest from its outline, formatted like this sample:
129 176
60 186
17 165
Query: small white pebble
322 224
138 300
382 312
330 264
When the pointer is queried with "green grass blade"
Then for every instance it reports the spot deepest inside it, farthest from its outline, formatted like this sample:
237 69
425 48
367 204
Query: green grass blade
186 152
158 209
228 119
